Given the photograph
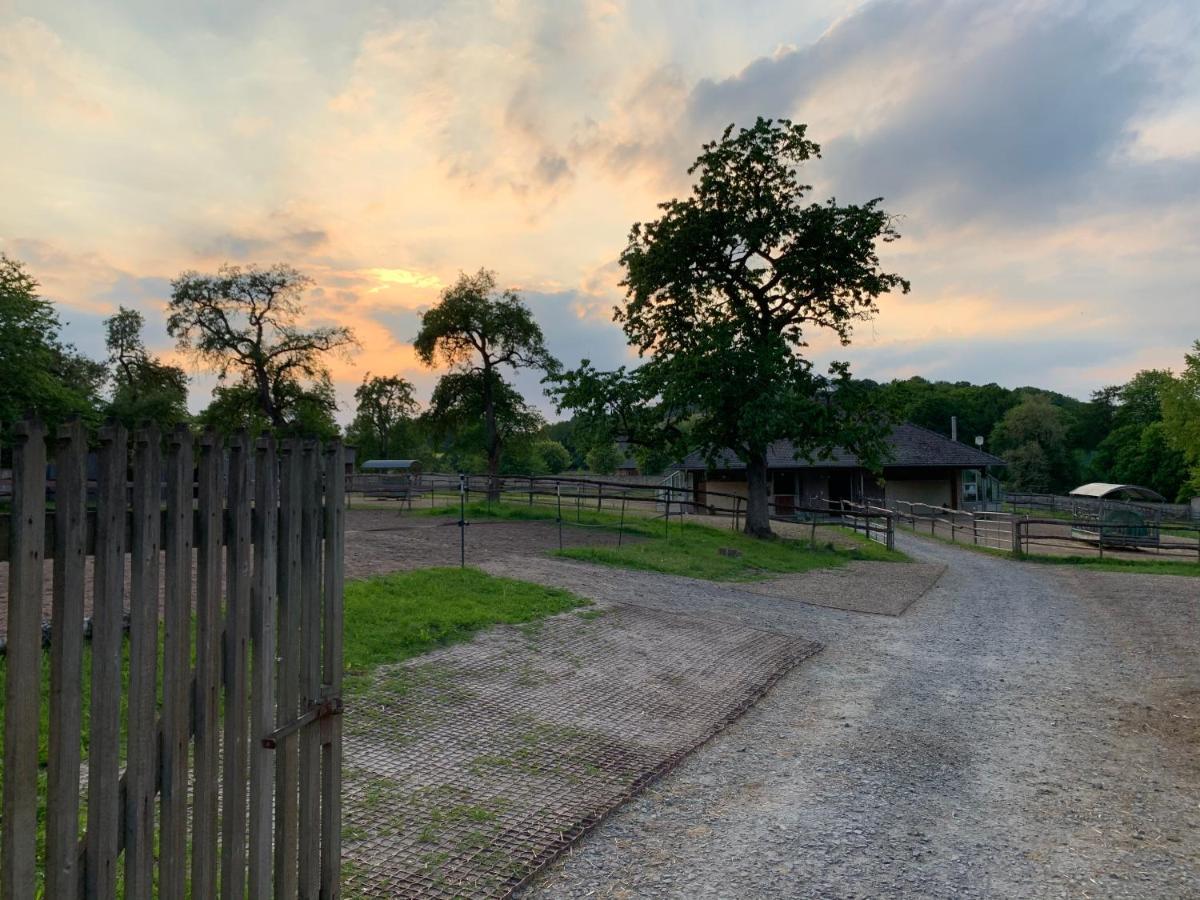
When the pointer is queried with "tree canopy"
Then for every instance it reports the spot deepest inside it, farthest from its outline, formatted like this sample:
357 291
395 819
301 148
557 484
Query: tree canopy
39 374
1181 419
722 291
478 330
243 324
457 416
384 417
143 388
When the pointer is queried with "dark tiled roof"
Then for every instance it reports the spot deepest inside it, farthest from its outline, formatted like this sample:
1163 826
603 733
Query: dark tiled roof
911 446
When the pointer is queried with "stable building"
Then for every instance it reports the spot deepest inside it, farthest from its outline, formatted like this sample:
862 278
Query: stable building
920 466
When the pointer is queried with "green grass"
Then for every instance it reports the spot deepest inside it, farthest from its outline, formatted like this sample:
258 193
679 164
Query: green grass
1132 566
680 548
695 551
395 617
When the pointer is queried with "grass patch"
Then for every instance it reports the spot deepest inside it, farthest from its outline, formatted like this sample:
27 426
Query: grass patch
395 617
1132 566
680 548
717 554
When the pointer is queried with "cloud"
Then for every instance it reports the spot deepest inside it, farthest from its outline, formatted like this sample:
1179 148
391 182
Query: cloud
250 247
960 110
1044 157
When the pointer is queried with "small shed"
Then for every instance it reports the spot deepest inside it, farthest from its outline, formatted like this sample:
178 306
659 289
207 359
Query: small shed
1115 515
393 478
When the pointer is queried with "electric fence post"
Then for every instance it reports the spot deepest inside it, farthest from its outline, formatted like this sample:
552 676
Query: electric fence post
462 521
558 500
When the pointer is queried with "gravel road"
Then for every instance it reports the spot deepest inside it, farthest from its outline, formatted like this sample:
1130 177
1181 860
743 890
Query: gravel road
1021 731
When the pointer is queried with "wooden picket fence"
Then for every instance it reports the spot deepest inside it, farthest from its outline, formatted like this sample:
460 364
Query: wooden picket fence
224 778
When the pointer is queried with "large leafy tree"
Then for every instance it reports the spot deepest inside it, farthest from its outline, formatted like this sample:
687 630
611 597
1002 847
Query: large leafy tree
310 409
623 404
457 415
724 288
143 387
384 416
1137 448
39 374
1181 419
243 323
1032 437
480 332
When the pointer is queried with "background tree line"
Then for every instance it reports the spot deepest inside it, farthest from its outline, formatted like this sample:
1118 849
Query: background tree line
722 292
1145 431
242 324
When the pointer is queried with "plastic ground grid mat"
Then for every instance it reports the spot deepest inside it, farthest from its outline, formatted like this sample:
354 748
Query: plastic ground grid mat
469 769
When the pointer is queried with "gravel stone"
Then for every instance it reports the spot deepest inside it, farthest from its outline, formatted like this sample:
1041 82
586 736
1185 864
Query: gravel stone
1022 730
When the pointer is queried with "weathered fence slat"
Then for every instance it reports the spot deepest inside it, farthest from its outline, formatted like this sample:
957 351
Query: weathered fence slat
177 676
141 733
208 613
236 647
103 818
66 664
21 689
310 672
331 726
246 582
262 631
287 690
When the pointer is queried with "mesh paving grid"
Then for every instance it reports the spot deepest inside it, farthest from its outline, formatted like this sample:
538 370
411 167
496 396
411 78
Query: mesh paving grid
469 769
879 588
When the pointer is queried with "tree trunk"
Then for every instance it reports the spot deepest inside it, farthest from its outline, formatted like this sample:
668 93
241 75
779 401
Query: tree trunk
492 439
493 464
266 399
758 497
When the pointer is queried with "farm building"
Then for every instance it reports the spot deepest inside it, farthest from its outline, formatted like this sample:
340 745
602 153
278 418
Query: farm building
922 466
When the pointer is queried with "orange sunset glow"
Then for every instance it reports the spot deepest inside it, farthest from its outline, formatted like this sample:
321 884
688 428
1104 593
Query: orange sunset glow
1043 159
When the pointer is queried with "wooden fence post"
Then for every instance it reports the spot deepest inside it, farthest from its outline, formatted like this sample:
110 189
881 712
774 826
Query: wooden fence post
177 654
207 690
236 649
21 688
331 762
262 634
234 786
142 733
310 672
66 662
107 611
287 690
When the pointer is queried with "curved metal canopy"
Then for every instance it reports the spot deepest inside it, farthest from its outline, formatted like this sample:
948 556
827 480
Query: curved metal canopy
390 463
1101 489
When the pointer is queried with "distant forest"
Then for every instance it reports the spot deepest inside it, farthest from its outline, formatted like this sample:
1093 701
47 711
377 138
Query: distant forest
1132 433
1146 431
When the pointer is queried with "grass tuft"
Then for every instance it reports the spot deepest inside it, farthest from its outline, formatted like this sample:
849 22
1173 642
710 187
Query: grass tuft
395 617
699 551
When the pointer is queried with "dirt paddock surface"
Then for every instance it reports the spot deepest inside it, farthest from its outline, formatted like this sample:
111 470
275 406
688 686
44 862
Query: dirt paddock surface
1021 731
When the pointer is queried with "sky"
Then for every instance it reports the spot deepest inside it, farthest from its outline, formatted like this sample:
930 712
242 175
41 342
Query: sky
1043 159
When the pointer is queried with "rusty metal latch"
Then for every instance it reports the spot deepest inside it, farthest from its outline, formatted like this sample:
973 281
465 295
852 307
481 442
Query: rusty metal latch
331 706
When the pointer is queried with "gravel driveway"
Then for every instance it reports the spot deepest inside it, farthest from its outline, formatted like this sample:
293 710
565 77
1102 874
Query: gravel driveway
1022 730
